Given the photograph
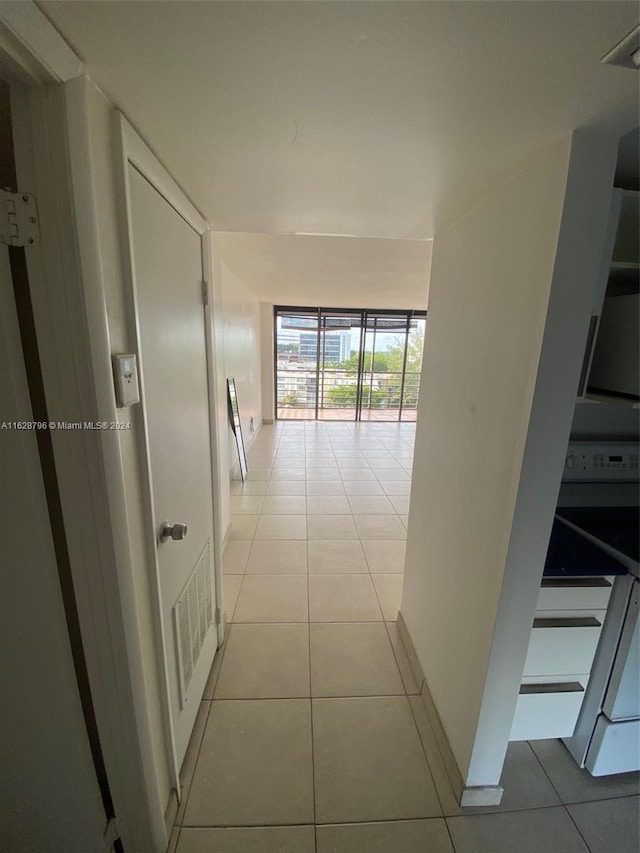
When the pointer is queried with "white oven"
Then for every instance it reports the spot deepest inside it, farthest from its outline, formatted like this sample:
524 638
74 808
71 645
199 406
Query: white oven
599 499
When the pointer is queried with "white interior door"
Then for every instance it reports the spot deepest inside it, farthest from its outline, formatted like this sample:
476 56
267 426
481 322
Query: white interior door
167 254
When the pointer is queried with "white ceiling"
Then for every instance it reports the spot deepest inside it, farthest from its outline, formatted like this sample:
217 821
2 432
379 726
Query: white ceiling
330 271
365 119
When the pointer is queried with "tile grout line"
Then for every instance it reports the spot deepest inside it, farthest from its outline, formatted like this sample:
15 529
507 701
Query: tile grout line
313 756
602 799
318 621
448 818
562 802
297 698
407 694
493 811
328 823
446 823
375 592
431 776
195 763
544 770
244 573
246 564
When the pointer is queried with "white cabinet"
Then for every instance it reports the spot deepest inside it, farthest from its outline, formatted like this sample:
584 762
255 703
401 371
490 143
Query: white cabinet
564 637
611 367
573 594
548 709
563 643
615 363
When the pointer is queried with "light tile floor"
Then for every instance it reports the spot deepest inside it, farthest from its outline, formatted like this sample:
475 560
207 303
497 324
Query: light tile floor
311 737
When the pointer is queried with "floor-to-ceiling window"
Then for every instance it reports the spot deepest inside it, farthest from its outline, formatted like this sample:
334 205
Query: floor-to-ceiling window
335 364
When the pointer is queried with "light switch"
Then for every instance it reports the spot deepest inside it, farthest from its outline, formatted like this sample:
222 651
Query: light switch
125 373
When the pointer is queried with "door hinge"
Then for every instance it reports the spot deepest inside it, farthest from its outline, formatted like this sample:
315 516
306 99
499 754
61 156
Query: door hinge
19 222
205 293
218 616
110 835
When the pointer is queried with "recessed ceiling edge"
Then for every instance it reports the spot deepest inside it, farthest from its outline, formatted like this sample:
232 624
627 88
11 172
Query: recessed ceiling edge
626 53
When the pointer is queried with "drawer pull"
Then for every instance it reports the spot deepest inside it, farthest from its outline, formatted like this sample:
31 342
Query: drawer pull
552 687
571 583
567 622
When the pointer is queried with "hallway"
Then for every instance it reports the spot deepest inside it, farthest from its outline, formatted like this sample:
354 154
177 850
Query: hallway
312 735
193 173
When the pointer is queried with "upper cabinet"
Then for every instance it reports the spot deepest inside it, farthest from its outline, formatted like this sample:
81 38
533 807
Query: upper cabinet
626 249
611 369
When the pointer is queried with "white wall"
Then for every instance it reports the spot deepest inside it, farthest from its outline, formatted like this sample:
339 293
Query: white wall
573 288
241 312
492 277
240 353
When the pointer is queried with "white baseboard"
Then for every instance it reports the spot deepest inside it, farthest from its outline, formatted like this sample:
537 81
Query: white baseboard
171 812
407 642
489 795
486 795
225 538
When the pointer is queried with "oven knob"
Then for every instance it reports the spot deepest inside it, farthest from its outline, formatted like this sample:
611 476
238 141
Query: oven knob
570 461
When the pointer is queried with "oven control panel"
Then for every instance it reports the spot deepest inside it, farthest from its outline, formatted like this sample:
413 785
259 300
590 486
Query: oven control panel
601 461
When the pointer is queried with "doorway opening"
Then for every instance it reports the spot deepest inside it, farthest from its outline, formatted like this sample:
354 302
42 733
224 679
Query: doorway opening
334 364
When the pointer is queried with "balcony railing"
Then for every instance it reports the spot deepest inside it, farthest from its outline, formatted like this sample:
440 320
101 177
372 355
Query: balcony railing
338 389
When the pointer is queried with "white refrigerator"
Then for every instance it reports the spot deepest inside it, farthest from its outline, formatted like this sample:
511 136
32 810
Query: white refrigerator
607 735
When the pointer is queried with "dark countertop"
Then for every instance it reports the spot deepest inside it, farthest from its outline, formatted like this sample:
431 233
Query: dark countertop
617 526
571 555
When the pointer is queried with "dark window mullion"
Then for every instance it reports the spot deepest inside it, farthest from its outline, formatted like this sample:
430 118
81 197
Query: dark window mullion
275 363
404 365
319 322
363 332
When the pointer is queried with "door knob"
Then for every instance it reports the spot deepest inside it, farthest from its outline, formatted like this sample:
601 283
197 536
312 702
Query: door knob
176 531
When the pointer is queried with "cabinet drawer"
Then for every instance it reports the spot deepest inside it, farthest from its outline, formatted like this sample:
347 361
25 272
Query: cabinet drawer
548 709
574 594
563 643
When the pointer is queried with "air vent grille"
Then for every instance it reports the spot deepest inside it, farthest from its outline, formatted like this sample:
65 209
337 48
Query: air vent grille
193 617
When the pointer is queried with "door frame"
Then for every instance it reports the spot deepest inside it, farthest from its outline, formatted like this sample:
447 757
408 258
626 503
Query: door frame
134 152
